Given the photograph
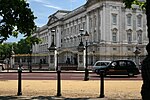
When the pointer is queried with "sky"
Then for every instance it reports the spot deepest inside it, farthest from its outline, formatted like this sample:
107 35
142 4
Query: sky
43 8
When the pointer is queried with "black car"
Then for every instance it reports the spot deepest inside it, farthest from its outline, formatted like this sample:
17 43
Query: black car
121 67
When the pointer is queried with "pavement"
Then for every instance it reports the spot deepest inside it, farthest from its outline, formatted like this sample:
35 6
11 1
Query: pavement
71 90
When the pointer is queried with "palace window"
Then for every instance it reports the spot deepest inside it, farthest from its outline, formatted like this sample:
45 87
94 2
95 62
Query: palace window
114 49
129 49
114 35
114 19
139 20
139 36
129 36
129 19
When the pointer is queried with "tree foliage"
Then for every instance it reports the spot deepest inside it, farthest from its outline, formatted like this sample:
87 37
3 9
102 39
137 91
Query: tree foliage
5 50
24 46
144 4
15 17
129 3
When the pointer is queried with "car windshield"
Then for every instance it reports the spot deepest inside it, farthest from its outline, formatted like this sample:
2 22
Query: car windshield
102 63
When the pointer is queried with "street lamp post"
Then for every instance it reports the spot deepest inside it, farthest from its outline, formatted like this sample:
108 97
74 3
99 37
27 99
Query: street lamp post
86 77
80 49
81 45
52 48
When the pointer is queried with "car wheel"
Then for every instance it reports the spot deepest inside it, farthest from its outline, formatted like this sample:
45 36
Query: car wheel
97 71
130 74
104 73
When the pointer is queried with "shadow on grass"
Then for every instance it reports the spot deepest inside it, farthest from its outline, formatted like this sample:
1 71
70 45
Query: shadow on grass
39 98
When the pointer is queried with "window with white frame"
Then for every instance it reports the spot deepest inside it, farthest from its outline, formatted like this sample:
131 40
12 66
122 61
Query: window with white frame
139 37
129 16
114 35
129 36
114 7
83 25
139 20
114 19
114 49
129 49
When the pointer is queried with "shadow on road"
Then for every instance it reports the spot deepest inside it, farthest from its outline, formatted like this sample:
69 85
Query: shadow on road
117 76
120 77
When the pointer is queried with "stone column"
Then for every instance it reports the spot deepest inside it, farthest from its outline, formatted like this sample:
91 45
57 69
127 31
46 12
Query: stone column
52 60
87 22
12 61
81 60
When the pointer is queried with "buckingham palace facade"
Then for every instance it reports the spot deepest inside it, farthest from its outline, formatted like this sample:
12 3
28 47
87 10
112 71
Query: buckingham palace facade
114 33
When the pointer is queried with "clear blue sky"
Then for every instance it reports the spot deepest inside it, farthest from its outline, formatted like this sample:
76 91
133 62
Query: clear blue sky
43 8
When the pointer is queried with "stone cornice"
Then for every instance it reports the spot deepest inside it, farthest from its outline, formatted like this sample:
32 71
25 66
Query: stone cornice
75 12
91 2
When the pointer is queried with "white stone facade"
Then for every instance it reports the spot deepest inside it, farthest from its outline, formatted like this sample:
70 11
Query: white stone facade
114 33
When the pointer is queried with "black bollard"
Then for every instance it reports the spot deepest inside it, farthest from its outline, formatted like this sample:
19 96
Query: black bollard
19 81
58 83
102 84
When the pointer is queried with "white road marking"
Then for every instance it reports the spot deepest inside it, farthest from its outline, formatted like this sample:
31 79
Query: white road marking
37 77
77 77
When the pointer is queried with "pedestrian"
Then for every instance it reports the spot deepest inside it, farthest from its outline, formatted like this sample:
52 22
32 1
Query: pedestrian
2 67
40 66
145 71
20 67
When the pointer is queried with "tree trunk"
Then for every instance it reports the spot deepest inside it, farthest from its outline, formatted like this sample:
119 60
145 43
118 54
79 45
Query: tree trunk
145 92
148 20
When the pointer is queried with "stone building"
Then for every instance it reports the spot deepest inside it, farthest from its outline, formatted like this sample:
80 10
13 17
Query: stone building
114 33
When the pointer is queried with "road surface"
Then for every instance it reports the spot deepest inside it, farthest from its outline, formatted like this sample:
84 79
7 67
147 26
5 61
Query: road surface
64 76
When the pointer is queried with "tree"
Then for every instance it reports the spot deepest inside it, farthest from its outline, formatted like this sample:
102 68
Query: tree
5 50
15 17
145 92
24 45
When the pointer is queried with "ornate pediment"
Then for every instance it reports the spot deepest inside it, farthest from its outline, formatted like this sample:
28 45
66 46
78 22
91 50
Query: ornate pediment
129 31
57 16
114 30
52 19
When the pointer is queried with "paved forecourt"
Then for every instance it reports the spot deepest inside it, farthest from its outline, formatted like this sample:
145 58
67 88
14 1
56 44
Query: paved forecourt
46 89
